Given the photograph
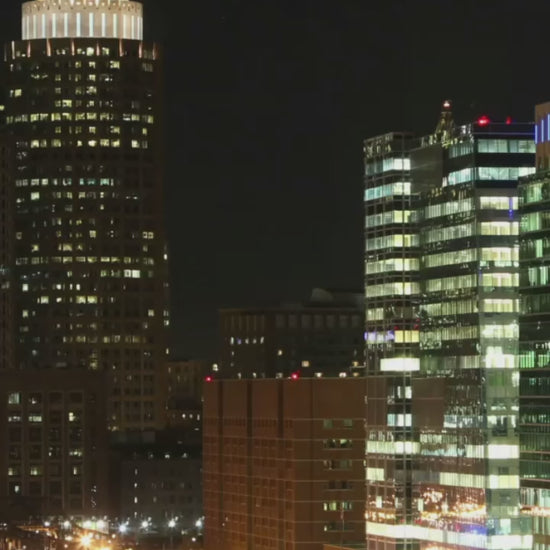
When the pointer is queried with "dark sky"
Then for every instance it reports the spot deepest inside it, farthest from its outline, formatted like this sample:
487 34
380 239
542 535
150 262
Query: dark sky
267 103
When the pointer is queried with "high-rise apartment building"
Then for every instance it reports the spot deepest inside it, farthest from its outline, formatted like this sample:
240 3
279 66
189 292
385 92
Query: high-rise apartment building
89 277
442 445
534 330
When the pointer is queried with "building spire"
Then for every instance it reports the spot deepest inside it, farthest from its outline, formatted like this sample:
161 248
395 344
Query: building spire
446 124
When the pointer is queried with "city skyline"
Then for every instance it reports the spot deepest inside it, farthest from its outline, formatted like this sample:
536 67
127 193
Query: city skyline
266 115
450 439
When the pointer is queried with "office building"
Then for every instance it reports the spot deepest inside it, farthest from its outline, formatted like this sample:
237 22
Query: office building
469 334
185 378
184 381
89 282
54 452
534 327
7 339
160 481
323 336
283 463
442 396
392 294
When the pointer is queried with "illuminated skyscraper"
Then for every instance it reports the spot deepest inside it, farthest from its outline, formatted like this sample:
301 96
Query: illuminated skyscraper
442 400
392 291
89 277
465 400
534 332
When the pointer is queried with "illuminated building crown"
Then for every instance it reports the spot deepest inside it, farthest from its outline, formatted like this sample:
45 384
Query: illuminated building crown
82 19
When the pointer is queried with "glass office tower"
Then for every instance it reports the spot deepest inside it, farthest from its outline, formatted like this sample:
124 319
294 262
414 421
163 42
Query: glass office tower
83 108
534 343
465 403
461 485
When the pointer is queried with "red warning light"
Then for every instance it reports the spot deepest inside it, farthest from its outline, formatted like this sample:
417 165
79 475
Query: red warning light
294 376
483 120
508 120
208 379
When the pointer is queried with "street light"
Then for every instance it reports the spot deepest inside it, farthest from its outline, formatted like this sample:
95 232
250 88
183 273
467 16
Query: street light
144 525
171 525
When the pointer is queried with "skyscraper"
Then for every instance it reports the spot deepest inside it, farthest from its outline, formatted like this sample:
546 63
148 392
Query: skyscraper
442 406
392 291
534 345
465 401
88 276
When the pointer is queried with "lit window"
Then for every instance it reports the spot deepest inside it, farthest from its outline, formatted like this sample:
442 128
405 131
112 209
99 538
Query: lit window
14 398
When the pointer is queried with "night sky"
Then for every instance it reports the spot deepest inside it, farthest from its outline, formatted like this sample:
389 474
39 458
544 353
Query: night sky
267 104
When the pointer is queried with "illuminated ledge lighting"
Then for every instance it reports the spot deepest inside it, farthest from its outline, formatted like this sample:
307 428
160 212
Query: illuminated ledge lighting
451 479
469 540
492 451
535 511
82 19
392 447
400 364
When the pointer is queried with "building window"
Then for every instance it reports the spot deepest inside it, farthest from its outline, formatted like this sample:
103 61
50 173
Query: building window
14 398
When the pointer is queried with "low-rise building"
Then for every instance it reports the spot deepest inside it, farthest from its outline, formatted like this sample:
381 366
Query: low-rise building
323 336
160 483
54 456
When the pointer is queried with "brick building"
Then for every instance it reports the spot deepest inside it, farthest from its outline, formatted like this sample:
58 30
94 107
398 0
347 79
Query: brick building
283 463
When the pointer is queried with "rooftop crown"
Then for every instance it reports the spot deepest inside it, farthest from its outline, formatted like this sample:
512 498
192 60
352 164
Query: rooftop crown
82 18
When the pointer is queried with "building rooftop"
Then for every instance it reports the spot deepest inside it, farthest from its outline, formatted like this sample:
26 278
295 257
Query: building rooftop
82 19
